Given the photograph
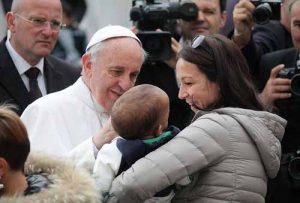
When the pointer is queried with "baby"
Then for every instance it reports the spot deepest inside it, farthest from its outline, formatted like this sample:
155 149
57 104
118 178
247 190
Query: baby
140 117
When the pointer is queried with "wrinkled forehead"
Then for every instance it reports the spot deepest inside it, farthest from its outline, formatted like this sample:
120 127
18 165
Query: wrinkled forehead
122 42
122 53
38 7
295 8
118 48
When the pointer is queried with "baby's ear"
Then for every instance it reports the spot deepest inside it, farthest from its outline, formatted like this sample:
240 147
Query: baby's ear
159 130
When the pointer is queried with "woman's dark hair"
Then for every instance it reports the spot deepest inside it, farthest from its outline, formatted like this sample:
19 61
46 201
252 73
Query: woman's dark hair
14 142
223 63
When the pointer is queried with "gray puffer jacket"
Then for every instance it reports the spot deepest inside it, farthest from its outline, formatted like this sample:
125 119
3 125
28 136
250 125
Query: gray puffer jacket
229 154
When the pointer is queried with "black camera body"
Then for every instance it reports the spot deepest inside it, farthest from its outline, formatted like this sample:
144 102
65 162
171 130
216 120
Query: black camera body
266 10
156 44
294 170
292 73
151 15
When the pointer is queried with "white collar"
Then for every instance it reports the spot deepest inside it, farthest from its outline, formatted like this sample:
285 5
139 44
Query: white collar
87 98
21 64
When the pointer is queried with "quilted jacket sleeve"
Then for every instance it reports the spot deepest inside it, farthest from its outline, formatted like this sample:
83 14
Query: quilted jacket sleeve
191 150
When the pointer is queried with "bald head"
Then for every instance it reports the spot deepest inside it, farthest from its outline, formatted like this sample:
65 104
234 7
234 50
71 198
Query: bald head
139 112
24 5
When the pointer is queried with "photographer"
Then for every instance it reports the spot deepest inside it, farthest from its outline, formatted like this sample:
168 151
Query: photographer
280 84
211 17
262 38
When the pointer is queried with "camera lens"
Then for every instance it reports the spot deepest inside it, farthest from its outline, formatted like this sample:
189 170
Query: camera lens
294 168
262 13
295 84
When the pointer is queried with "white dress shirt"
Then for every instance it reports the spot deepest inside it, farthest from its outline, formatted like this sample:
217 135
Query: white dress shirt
22 66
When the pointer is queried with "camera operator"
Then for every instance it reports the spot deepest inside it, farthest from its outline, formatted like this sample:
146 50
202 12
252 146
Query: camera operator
211 17
280 84
263 38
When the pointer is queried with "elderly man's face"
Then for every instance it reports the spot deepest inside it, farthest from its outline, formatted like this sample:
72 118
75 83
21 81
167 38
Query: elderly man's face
31 40
115 70
210 19
295 24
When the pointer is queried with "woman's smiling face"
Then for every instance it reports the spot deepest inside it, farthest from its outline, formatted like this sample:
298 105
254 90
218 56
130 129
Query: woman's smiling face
195 88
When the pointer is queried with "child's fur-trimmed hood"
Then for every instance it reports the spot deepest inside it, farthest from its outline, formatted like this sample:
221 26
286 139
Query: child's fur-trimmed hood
69 184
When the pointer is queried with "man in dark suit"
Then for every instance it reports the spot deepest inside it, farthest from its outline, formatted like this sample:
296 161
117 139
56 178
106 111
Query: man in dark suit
282 91
34 26
258 39
277 92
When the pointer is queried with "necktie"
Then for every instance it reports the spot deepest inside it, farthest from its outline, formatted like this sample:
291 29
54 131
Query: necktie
34 92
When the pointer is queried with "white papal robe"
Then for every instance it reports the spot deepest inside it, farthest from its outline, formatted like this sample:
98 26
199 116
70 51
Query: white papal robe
60 121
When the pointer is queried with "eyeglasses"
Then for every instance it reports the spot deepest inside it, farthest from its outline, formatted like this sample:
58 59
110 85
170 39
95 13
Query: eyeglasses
42 23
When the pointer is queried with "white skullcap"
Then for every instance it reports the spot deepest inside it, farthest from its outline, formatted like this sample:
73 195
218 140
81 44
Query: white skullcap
111 31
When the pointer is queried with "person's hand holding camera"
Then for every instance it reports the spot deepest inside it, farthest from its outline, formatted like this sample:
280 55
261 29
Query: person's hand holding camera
176 47
243 22
276 88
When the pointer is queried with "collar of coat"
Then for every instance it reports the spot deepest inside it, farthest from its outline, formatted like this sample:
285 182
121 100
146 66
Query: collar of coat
68 183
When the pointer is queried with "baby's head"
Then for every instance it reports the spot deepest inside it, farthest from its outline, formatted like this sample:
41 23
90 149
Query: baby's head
141 112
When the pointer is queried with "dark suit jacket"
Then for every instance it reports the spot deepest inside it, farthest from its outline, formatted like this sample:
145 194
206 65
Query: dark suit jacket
288 108
58 75
266 38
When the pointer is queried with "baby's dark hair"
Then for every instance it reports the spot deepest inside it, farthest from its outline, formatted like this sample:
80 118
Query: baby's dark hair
138 112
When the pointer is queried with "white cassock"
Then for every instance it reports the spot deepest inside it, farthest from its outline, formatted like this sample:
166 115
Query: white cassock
60 121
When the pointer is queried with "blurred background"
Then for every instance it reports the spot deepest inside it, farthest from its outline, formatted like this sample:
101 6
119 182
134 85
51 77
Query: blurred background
90 14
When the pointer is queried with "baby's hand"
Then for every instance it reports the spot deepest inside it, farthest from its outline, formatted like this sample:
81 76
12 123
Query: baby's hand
105 135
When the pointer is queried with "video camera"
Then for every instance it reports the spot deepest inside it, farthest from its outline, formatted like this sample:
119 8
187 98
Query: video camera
292 73
266 10
151 15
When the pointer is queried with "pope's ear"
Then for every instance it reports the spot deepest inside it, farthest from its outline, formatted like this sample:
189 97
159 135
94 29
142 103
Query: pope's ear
86 61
